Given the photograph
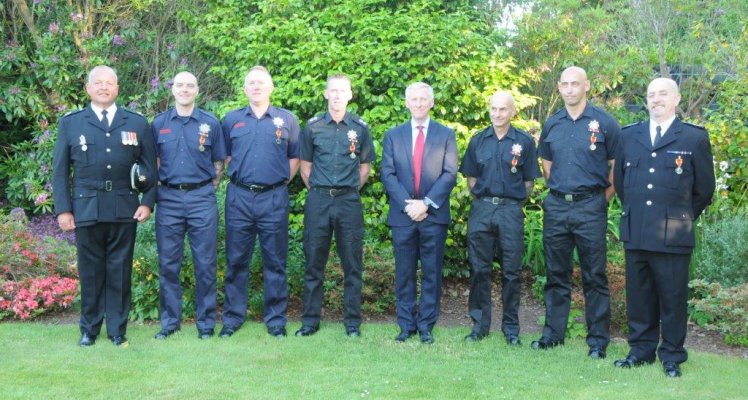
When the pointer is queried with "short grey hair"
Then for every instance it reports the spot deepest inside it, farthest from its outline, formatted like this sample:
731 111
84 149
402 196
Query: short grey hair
417 86
101 68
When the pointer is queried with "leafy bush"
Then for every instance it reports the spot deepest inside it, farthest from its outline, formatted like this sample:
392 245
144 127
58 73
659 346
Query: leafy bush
722 255
721 309
32 297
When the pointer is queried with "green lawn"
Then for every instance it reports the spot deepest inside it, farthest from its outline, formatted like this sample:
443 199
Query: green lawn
44 362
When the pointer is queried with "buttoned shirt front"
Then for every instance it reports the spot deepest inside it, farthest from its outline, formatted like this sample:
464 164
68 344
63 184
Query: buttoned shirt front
579 149
327 145
261 145
110 111
490 160
187 146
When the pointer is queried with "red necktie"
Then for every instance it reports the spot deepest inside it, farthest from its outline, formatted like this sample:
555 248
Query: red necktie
418 158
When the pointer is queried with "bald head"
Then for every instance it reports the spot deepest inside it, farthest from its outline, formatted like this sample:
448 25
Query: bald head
573 87
185 90
501 109
663 97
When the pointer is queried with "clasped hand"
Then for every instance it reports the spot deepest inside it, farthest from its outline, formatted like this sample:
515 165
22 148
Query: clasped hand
417 210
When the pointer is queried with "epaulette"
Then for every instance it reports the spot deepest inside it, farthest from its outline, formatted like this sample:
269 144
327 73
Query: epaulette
523 133
314 119
632 125
694 125
361 121
207 113
72 112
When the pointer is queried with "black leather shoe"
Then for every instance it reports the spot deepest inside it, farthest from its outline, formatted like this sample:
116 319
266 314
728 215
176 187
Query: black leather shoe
87 340
227 331
307 330
119 341
277 331
353 331
404 335
204 334
596 353
631 361
427 337
513 340
165 333
545 343
475 337
672 369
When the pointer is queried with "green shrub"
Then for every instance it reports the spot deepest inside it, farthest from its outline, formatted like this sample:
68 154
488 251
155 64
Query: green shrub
722 254
721 309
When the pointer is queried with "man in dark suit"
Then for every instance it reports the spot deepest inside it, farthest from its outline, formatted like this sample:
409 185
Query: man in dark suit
419 170
664 175
101 142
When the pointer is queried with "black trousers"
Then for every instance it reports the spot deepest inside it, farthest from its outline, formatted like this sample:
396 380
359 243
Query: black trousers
323 216
105 270
566 225
491 229
657 303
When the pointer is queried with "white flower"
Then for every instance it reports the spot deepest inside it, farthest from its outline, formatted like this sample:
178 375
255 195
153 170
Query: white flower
204 128
516 149
352 136
278 122
723 165
594 126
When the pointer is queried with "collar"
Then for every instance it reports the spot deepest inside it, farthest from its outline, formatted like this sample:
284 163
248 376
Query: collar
173 114
665 125
346 118
425 124
491 132
272 112
110 111
587 112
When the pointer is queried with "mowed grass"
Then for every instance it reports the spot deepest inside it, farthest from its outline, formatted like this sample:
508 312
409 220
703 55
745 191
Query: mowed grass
44 362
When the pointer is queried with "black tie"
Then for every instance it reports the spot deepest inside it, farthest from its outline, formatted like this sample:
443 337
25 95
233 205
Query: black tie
658 135
105 120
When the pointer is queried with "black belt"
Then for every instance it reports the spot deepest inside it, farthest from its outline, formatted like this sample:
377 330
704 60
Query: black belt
575 197
334 190
185 186
252 187
107 186
497 201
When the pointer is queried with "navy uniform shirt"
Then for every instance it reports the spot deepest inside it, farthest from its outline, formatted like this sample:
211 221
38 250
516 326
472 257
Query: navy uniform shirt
179 140
327 144
490 161
566 142
258 154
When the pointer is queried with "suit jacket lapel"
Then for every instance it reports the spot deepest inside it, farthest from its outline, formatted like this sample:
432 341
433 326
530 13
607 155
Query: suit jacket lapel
119 119
406 137
92 118
642 135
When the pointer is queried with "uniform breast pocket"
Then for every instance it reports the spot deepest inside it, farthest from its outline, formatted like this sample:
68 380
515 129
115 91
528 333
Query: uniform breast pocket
239 134
555 141
630 167
678 171
323 145
484 159
83 150
166 146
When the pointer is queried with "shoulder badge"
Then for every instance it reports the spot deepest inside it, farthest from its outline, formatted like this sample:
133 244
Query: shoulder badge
694 125
314 119
632 125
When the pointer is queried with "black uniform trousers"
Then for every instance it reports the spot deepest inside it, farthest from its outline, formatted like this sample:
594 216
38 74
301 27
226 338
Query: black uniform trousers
324 215
656 300
105 269
581 224
492 229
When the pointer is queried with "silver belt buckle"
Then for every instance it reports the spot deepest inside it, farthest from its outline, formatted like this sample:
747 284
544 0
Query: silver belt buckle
495 201
108 186
569 197
332 192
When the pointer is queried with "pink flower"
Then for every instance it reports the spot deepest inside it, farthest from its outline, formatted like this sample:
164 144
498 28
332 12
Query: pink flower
41 199
54 28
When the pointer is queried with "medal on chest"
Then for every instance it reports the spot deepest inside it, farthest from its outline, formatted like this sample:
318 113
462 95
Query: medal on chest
84 147
129 138
278 122
202 136
594 129
353 139
678 165
516 152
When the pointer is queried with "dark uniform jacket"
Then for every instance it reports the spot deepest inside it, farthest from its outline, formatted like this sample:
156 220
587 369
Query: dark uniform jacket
101 159
663 188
